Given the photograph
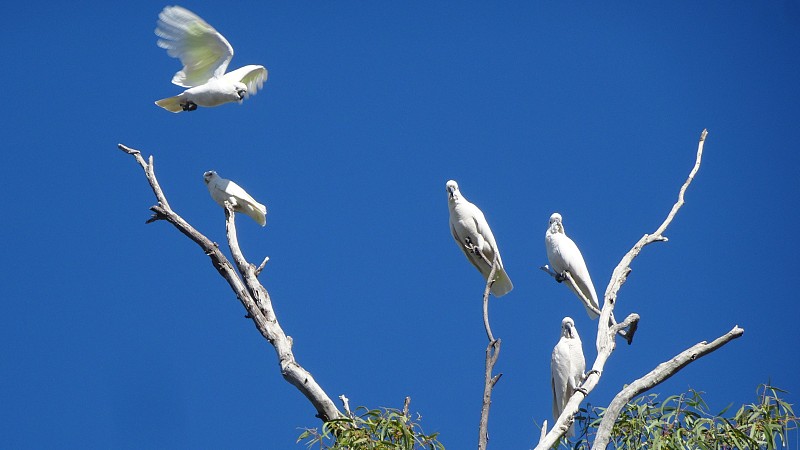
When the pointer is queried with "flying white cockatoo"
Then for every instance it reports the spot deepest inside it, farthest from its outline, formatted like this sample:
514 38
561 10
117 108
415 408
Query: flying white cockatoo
205 55
226 190
564 256
470 229
566 368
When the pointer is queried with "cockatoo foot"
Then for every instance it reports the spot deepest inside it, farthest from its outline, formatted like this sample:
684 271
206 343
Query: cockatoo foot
189 106
561 277
470 246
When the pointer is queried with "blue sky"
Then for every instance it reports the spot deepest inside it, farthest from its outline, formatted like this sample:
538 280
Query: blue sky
119 334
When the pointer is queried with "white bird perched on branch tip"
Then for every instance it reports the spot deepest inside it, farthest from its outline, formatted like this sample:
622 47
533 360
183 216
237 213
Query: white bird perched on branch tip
564 256
566 368
226 190
474 238
205 55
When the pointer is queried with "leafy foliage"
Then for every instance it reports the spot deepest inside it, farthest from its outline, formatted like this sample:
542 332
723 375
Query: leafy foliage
678 422
684 422
373 429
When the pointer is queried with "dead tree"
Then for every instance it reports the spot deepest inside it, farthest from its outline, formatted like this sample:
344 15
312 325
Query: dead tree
249 290
608 328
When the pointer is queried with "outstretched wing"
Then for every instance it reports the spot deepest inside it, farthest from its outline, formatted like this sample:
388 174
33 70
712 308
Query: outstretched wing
253 76
203 52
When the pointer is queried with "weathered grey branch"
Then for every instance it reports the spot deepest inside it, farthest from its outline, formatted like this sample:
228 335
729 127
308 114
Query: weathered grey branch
544 431
489 283
492 353
149 172
247 288
292 372
262 265
606 327
620 274
662 372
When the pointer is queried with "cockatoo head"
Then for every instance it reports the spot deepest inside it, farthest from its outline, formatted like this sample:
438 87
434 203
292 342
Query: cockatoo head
556 226
452 191
208 176
568 328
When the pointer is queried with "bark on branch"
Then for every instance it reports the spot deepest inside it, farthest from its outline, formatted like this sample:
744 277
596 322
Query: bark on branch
250 292
607 328
662 372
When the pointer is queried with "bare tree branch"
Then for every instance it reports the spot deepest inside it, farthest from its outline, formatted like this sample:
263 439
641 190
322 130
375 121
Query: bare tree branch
292 372
662 372
607 329
262 265
149 171
489 283
620 274
492 353
248 290
544 431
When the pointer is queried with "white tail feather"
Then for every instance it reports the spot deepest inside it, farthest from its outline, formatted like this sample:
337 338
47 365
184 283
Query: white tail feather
171 104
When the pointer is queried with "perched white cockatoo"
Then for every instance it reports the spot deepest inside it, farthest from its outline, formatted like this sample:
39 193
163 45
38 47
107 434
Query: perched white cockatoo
470 227
205 55
226 190
564 255
566 368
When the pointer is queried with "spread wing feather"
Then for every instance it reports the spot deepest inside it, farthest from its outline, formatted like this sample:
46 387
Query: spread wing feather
203 52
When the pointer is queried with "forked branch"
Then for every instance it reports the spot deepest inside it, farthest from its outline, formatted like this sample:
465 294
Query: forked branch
250 292
607 329
662 372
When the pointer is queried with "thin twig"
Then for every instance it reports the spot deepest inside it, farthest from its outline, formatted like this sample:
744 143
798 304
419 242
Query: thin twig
567 276
486 291
620 274
492 353
574 287
149 172
261 266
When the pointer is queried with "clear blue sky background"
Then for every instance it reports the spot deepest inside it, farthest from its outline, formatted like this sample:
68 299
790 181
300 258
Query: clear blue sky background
117 334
